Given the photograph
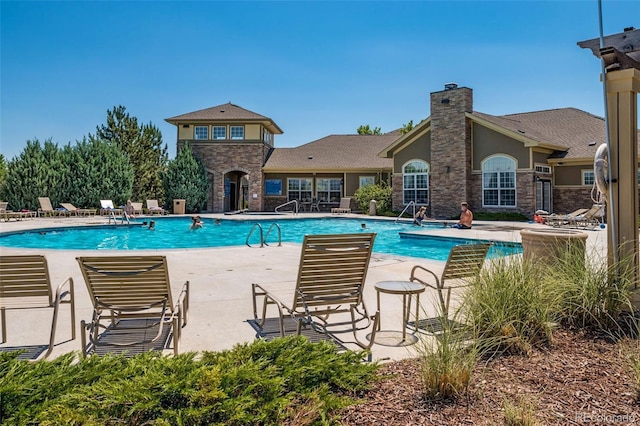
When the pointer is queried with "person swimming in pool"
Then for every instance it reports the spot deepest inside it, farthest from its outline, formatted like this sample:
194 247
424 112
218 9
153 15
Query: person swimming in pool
152 225
196 223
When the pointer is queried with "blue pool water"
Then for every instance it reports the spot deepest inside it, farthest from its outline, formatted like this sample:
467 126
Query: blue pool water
174 232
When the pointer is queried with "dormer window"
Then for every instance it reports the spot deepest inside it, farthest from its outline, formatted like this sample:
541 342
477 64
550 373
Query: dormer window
219 132
201 133
237 132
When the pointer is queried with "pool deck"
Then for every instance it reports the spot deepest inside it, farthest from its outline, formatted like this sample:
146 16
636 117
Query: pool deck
220 279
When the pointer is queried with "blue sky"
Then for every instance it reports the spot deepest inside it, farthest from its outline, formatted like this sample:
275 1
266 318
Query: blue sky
316 68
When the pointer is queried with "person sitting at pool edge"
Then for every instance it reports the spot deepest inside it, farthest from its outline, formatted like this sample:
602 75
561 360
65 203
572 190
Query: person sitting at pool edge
420 216
196 223
466 217
129 211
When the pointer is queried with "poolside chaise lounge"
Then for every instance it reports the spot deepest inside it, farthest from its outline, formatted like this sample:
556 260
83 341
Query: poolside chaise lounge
154 208
137 208
463 266
561 219
132 304
589 219
345 206
78 212
329 288
8 214
107 207
46 209
25 284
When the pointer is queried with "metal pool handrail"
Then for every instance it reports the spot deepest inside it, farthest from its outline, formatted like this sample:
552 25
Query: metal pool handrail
294 202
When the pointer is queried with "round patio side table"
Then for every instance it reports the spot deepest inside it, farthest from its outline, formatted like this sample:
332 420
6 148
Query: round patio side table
406 289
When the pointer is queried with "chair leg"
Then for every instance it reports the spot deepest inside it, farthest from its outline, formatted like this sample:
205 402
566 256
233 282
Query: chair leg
176 335
3 316
83 338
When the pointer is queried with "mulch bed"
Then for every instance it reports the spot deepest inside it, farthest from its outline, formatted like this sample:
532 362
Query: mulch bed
581 380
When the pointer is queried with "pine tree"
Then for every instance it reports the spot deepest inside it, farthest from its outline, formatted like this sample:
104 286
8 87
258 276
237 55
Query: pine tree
143 144
186 179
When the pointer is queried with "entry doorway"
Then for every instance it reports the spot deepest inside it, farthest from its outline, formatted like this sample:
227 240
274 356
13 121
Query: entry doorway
235 190
543 195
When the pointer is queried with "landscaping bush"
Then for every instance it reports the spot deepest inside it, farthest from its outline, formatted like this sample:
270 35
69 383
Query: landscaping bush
380 192
510 307
502 216
286 381
588 297
447 362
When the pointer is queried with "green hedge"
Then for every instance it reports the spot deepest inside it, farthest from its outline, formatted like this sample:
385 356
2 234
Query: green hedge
286 381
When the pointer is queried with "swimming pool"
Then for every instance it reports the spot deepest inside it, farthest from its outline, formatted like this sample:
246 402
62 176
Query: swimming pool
174 232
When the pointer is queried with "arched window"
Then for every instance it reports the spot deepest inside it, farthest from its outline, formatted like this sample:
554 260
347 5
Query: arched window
415 176
499 181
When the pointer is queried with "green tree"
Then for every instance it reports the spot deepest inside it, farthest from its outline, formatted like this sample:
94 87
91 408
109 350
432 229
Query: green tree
97 170
36 172
3 172
381 192
186 178
365 129
406 128
143 144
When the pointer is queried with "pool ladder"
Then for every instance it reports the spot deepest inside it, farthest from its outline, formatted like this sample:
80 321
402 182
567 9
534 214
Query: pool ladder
411 203
263 236
112 216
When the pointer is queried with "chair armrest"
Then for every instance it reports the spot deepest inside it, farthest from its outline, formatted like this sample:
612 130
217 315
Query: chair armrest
62 294
182 305
268 299
414 278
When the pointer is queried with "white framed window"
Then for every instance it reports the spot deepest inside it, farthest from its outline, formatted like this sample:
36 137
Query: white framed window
201 132
329 190
588 177
367 180
499 181
541 168
415 186
267 137
237 132
219 132
300 189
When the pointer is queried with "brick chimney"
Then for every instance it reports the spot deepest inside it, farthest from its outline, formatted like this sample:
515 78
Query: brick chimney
450 150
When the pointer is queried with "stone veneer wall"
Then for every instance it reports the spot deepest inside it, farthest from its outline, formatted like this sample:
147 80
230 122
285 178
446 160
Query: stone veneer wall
221 158
450 151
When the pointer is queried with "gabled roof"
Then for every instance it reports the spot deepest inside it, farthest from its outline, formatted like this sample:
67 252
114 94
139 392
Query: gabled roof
334 153
224 112
571 133
402 139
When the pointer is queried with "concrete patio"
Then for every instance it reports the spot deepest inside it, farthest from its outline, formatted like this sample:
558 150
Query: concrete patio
220 278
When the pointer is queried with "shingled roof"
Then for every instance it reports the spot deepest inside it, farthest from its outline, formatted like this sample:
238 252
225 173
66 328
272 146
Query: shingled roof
334 152
224 112
564 129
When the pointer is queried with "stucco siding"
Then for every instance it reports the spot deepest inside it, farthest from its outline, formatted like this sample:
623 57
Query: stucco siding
487 142
419 149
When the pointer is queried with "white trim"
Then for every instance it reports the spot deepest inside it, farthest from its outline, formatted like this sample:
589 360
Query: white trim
415 189
498 188
213 132
543 167
583 172
195 133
